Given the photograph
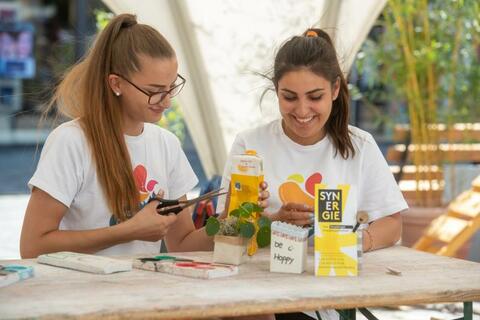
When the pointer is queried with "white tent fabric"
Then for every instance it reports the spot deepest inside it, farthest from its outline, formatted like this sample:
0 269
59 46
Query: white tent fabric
221 44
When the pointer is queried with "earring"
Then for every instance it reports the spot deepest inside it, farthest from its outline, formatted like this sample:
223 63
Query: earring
117 94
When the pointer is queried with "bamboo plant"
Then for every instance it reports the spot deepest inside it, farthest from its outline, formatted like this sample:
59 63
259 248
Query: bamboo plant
427 55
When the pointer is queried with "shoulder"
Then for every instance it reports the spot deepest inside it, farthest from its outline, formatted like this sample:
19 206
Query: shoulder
67 134
360 138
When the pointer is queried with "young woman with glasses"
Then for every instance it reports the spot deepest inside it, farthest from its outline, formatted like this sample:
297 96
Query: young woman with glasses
97 172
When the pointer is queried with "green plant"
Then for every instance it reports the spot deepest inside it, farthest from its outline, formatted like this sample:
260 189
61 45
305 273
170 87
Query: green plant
173 121
102 18
242 222
425 57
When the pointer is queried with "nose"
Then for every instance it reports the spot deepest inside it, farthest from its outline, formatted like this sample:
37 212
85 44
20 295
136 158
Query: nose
166 102
303 107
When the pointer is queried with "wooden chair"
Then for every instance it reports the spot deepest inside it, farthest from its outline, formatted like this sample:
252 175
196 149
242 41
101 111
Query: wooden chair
447 233
459 145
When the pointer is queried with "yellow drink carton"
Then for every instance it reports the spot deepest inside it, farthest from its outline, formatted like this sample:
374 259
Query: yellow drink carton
245 179
335 242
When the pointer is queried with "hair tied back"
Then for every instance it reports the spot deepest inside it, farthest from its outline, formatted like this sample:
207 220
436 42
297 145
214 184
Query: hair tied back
128 23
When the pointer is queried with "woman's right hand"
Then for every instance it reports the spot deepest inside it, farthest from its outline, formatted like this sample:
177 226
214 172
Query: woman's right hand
148 225
294 213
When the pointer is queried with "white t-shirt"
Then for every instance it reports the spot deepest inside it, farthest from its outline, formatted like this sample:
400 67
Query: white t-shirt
285 161
67 172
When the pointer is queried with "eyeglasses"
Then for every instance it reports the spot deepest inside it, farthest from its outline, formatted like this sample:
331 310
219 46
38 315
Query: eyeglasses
157 97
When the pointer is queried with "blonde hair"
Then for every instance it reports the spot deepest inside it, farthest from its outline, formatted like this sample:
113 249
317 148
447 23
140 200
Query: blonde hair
84 93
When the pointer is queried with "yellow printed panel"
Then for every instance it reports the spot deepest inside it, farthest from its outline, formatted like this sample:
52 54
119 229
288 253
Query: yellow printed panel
244 188
335 243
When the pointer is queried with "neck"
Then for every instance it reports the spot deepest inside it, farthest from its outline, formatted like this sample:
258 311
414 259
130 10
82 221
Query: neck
133 129
304 141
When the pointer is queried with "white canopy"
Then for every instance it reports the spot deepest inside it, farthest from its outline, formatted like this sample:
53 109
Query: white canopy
220 44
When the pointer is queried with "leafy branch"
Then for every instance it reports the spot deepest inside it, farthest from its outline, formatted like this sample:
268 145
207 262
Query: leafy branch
241 222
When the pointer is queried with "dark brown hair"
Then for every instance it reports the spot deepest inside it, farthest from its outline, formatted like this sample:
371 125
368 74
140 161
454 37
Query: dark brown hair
316 52
84 93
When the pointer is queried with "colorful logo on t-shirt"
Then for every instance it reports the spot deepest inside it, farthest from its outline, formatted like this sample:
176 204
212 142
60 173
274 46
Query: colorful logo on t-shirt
292 191
145 186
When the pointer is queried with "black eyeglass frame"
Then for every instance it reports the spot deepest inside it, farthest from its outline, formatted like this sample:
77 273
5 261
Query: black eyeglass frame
152 94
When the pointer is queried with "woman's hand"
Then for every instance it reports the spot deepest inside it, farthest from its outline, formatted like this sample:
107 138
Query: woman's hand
148 225
294 213
263 195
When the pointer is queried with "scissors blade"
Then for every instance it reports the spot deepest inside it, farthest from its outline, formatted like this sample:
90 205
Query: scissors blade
176 206
208 195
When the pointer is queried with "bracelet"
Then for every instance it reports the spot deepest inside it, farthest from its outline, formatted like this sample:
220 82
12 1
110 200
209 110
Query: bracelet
371 240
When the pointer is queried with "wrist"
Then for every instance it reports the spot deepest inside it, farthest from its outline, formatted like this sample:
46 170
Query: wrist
125 231
272 216
367 241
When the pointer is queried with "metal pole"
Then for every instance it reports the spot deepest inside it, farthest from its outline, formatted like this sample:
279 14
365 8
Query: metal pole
80 27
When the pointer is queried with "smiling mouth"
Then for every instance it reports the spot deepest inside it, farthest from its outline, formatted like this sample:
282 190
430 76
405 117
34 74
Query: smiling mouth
157 110
304 120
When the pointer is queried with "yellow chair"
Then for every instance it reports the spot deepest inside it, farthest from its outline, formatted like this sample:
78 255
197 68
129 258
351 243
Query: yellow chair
447 233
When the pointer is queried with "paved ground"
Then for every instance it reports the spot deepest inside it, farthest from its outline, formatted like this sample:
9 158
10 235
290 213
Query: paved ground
12 209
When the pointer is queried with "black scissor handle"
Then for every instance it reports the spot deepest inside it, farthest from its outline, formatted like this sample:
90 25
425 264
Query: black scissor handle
165 210
167 203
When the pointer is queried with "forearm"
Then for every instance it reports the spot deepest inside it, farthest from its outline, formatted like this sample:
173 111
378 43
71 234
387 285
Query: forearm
382 233
86 241
196 240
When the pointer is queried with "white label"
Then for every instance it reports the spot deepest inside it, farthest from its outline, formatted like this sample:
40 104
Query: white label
287 255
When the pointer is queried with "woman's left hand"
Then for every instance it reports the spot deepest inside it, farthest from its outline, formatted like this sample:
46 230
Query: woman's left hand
263 195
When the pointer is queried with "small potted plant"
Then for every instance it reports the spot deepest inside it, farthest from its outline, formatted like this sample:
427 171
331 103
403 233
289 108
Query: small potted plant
239 234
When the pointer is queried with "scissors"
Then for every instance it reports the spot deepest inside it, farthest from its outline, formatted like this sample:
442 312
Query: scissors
165 207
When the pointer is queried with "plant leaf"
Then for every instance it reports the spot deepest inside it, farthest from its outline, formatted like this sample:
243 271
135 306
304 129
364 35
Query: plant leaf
264 222
212 226
263 237
247 206
251 207
245 211
247 229
235 213
256 208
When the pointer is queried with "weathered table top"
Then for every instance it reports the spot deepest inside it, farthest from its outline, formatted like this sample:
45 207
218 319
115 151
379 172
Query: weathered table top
56 292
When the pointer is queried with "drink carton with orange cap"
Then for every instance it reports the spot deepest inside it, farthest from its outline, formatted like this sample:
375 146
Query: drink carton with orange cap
246 176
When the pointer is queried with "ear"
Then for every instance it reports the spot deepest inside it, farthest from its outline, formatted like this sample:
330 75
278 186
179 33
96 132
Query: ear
335 89
114 83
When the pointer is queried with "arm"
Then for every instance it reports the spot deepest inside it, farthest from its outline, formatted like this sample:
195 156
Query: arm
377 179
40 233
183 237
382 233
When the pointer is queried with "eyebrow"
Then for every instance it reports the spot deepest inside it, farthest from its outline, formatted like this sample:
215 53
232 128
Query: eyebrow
308 92
161 85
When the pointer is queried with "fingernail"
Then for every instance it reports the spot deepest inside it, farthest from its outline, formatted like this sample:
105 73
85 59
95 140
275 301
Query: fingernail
312 218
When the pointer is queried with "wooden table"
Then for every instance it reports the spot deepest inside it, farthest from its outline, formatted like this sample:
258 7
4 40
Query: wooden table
56 292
